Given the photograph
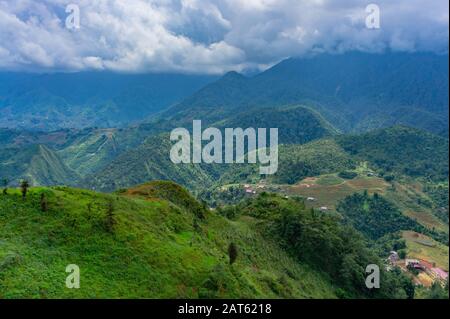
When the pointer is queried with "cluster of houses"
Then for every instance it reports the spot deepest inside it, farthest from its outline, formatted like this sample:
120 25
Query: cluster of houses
435 273
252 190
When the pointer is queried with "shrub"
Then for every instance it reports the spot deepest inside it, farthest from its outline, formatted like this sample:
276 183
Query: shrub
347 175
44 203
232 253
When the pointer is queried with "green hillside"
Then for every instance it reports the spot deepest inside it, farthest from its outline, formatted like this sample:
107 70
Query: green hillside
392 153
156 241
109 166
36 163
376 217
149 161
396 151
353 91
154 248
296 124
295 163
401 150
90 150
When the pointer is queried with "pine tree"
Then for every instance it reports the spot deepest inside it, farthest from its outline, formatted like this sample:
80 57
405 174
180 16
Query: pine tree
5 183
232 253
110 218
44 203
24 185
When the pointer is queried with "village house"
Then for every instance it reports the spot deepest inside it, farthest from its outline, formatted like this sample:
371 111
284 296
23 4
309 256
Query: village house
393 257
414 263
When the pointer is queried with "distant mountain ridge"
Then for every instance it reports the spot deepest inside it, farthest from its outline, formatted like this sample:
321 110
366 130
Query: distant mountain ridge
353 91
87 99
306 99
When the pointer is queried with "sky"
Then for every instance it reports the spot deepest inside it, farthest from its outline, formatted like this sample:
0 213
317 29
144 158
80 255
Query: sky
207 37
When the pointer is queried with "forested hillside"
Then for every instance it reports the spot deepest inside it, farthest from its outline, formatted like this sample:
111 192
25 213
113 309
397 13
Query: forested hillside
36 163
156 241
401 150
353 91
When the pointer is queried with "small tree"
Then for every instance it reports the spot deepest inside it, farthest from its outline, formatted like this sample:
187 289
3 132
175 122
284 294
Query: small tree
24 185
5 183
110 217
232 253
196 226
44 203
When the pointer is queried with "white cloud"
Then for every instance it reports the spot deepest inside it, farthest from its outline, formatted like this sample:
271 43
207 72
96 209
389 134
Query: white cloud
207 36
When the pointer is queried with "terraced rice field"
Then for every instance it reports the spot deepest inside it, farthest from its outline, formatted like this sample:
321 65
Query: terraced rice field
328 190
422 247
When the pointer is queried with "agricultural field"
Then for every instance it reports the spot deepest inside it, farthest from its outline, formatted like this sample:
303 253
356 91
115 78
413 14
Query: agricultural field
328 190
414 203
422 247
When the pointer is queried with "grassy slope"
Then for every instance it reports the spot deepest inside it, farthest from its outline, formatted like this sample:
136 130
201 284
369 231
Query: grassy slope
37 163
295 163
154 251
149 161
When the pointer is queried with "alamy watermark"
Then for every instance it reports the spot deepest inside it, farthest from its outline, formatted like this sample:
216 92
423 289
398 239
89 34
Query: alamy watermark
373 279
73 279
73 19
230 149
373 16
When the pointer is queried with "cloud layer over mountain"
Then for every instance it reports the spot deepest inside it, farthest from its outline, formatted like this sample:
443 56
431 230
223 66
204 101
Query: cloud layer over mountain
207 36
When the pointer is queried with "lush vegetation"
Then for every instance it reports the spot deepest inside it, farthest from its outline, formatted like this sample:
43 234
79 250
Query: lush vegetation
153 241
149 161
401 150
320 240
376 217
37 163
353 91
296 124
380 190
295 163
347 174
439 194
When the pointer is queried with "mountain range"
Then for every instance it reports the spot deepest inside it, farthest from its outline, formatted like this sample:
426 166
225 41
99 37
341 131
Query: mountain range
89 99
363 170
353 91
307 99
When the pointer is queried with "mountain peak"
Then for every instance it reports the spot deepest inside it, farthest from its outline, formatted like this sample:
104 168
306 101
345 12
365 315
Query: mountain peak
233 75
